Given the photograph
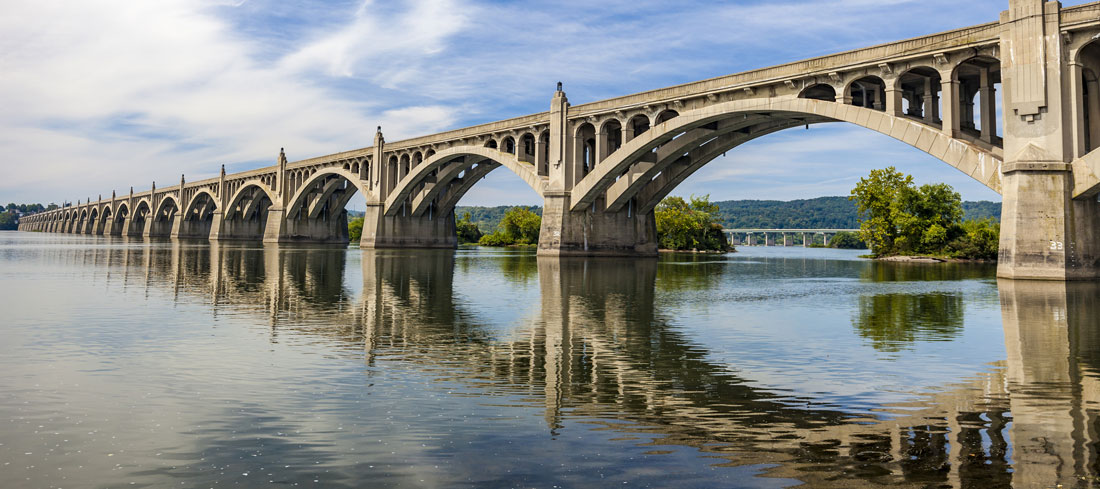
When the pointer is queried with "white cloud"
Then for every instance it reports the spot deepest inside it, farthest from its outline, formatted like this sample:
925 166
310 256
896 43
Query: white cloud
108 93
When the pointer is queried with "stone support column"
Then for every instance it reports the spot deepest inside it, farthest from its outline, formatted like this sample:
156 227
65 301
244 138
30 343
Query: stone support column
929 103
988 108
950 116
540 156
1078 109
1045 233
1093 87
893 97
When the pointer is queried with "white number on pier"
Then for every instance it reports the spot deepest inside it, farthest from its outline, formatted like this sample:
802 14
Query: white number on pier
1056 245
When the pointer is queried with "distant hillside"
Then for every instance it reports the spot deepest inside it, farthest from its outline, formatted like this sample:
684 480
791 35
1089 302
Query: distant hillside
822 212
982 209
819 213
487 218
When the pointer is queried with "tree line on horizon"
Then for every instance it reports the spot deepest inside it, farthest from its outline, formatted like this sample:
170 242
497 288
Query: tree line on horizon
816 213
10 214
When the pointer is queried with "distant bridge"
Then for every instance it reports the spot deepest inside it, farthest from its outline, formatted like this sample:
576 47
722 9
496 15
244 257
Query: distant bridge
745 237
602 167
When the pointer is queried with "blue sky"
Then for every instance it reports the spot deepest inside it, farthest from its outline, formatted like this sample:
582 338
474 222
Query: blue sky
105 94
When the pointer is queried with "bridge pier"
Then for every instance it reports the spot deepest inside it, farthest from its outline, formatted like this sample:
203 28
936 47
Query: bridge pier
407 231
594 232
301 229
1046 234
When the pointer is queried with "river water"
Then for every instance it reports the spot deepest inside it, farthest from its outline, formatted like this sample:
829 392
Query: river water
169 364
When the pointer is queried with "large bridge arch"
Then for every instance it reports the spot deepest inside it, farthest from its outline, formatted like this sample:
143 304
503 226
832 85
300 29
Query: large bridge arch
418 210
430 178
139 218
317 211
703 125
246 211
197 219
167 211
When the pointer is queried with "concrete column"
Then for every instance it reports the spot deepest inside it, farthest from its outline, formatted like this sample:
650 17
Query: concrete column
560 172
806 241
929 106
1093 87
1078 109
601 147
989 107
825 239
1045 234
893 96
540 158
786 239
950 117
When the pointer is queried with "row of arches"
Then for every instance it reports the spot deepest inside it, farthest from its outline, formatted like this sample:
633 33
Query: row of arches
918 93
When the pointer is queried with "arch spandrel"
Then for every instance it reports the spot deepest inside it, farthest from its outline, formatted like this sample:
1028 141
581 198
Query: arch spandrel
980 164
405 187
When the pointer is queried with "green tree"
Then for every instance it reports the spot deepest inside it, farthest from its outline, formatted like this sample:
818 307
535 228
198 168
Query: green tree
847 241
689 226
8 221
519 226
979 240
897 217
875 198
467 231
355 229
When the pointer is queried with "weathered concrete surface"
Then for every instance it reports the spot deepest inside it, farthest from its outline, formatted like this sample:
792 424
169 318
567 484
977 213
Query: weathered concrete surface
594 232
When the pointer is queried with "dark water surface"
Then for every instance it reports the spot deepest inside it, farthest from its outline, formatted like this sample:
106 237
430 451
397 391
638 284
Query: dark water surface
168 364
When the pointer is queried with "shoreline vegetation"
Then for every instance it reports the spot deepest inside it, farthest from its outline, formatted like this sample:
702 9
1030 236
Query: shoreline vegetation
903 222
898 221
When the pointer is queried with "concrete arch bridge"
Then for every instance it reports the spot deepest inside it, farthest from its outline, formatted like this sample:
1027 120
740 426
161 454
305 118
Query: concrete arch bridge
602 167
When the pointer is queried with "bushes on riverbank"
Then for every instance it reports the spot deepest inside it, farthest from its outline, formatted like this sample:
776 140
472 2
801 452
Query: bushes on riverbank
467 231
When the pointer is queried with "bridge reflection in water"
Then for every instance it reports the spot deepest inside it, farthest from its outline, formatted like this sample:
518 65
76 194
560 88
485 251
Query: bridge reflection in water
597 347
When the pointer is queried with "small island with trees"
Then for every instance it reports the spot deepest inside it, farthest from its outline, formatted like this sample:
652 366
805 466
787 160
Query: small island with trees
899 219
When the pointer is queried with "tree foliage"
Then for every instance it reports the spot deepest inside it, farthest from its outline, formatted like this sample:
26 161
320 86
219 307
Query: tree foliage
847 241
689 226
899 218
355 229
489 218
8 221
11 213
519 226
467 231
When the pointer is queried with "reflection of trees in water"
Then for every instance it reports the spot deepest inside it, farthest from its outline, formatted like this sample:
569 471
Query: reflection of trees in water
884 271
894 321
519 267
690 271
